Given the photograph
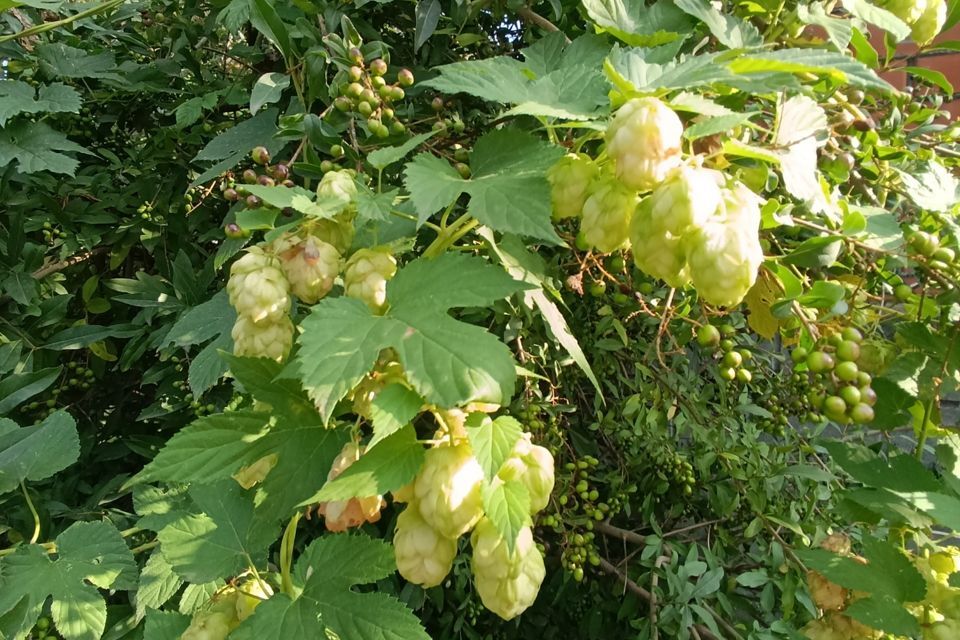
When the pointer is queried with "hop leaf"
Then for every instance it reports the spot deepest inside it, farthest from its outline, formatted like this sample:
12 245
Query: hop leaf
424 555
448 490
644 141
606 216
89 555
507 582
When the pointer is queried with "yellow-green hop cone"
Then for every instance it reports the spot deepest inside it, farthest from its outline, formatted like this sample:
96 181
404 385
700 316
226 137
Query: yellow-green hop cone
257 287
948 629
570 179
930 22
424 556
311 266
532 465
508 583
265 340
657 252
644 141
250 595
215 622
606 216
689 197
337 231
338 186
366 274
725 255
447 490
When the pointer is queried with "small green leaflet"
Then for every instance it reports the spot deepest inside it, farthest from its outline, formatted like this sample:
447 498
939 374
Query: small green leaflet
508 190
637 24
191 110
325 573
218 446
390 465
385 156
36 452
731 31
877 16
164 625
36 147
306 202
158 583
571 93
60 60
90 555
507 504
268 89
391 410
18 97
884 613
210 321
447 362
220 541
492 441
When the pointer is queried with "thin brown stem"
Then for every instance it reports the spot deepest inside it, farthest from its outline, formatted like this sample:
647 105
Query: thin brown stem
534 18
60 265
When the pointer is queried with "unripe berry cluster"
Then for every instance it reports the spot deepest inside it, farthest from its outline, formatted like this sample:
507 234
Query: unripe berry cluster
364 92
733 362
841 391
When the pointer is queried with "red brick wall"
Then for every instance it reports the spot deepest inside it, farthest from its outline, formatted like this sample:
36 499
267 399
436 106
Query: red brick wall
946 62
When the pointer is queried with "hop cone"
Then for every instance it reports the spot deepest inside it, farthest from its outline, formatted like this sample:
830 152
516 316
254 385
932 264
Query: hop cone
448 490
372 384
337 231
725 254
257 287
338 185
507 582
271 340
930 22
366 274
948 629
216 622
250 595
570 179
606 216
532 465
644 141
655 251
687 199
340 515
310 265
424 557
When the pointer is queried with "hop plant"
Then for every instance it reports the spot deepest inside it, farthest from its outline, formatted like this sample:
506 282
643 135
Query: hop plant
447 490
689 198
273 340
424 556
507 582
340 515
724 254
836 626
570 180
825 594
310 265
948 629
249 596
337 231
366 274
644 141
606 216
655 251
215 622
372 384
532 465
339 186
257 287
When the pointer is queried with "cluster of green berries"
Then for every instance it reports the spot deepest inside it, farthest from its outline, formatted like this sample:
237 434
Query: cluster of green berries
783 402
199 409
145 211
188 198
76 378
840 391
52 234
43 630
669 470
461 157
365 92
578 506
934 254
733 362
444 123
263 174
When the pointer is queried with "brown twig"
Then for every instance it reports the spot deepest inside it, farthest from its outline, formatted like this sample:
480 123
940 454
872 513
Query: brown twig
535 18
60 265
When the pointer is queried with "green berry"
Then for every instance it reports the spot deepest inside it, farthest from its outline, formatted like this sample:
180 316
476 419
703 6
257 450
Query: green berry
744 375
847 371
378 67
903 292
818 361
708 336
834 407
852 333
848 350
732 359
405 78
260 155
862 413
851 395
